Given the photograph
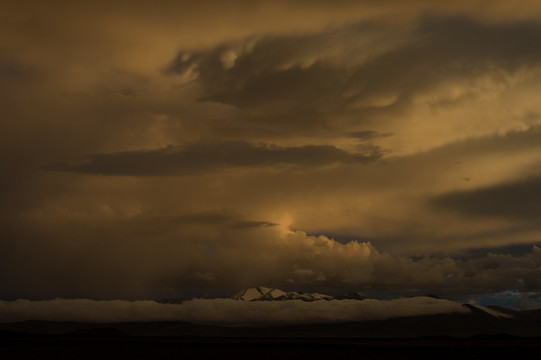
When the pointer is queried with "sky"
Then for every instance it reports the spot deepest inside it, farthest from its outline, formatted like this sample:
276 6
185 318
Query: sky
168 149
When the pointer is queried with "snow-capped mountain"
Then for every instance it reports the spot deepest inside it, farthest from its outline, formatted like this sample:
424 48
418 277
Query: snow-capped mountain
355 295
263 293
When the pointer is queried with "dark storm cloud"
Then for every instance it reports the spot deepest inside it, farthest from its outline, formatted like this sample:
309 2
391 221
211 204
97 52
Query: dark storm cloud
446 49
214 218
209 217
203 157
251 224
308 78
12 69
366 135
519 200
293 83
108 255
263 72
505 43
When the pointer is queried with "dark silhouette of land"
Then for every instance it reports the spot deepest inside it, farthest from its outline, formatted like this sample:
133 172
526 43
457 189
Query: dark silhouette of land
476 335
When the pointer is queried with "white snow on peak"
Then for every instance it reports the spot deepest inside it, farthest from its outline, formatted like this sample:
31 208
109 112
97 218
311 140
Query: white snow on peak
264 293
255 293
251 294
277 293
321 296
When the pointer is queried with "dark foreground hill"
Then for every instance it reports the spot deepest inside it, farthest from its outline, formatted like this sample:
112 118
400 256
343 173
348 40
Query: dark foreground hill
460 325
475 335
58 347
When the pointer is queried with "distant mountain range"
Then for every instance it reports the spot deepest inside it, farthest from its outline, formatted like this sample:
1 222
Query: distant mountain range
469 321
269 294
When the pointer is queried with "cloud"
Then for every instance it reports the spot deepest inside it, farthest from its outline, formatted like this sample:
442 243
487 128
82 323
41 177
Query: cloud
206 218
529 300
201 157
12 70
162 257
297 83
366 135
362 72
517 200
225 311
270 117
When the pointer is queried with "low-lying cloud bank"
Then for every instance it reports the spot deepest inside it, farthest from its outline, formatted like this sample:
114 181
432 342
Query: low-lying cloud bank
155 257
224 311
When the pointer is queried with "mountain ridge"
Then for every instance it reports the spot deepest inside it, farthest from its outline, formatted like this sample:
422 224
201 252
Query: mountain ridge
261 293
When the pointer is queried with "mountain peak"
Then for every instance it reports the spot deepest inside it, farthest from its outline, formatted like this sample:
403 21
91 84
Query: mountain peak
261 293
